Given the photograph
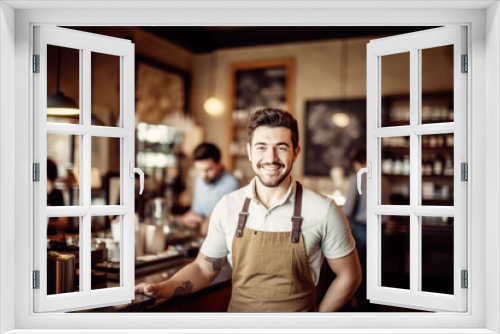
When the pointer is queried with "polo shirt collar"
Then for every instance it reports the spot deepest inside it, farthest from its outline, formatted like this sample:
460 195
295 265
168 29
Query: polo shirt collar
250 190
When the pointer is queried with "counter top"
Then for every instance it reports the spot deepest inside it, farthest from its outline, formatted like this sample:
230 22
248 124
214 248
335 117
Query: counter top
213 298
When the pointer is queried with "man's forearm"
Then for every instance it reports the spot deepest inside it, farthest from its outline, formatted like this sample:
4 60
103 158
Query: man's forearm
339 293
189 279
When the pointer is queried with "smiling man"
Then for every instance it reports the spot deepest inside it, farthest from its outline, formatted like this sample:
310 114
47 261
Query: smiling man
274 233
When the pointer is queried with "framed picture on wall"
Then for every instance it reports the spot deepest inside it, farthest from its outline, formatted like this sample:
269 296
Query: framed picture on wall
264 83
160 90
333 128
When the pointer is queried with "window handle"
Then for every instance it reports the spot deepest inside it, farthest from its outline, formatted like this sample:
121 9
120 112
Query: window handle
133 170
367 170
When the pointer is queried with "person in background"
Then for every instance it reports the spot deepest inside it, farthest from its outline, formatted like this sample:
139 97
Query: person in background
54 198
355 205
212 183
274 232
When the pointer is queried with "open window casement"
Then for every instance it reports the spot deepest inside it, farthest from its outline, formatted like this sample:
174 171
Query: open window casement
62 278
416 186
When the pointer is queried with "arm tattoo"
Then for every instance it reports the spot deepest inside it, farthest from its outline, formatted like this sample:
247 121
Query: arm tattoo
216 263
185 289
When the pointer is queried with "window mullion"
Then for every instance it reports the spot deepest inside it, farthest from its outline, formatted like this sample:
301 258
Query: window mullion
415 103
127 189
392 210
85 164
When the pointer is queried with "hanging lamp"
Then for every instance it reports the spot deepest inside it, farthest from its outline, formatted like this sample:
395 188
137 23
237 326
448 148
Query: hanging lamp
213 106
340 117
59 104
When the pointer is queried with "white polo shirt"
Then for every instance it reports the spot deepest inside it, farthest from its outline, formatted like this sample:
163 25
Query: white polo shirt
324 227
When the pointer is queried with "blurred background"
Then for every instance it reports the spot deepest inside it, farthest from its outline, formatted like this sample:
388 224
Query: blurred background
200 84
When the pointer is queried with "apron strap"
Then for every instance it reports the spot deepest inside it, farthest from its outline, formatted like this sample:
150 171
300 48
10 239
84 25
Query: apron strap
297 214
243 218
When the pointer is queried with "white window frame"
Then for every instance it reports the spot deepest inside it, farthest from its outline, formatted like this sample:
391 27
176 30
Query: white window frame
483 21
414 43
85 43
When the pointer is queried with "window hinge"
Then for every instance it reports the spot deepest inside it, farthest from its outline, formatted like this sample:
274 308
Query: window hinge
464 171
465 279
36 63
36 172
36 279
465 64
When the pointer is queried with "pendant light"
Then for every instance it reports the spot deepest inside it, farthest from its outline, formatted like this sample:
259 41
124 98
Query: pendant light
340 118
59 104
213 106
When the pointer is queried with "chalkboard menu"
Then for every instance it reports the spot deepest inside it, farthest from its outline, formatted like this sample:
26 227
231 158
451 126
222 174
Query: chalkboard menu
252 85
333 128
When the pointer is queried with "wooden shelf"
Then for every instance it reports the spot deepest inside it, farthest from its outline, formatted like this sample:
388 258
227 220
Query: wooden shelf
426 177
424 150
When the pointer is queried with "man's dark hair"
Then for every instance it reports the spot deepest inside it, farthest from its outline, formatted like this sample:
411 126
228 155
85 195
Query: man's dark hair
274 118
359 156
51 170
206 151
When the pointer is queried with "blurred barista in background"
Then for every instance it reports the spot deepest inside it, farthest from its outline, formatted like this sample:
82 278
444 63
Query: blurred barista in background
212 183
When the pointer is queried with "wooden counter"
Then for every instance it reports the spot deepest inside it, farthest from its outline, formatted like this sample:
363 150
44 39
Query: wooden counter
214 298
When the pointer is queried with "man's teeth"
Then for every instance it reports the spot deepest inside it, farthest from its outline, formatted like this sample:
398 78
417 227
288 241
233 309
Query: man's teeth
270 168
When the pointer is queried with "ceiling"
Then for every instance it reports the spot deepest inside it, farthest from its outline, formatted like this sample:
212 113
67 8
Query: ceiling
208 39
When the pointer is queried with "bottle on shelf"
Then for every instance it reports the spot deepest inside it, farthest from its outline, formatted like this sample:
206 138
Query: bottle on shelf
427 190
438 166
450 140
432 142
426 168
443 113
425 141
397 168
450 114
440 141
387 166
448 166
406 165
446 193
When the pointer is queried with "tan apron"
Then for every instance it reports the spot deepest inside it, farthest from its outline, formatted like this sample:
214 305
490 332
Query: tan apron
270 269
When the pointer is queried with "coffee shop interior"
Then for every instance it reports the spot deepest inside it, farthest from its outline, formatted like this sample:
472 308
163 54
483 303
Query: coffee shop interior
200 84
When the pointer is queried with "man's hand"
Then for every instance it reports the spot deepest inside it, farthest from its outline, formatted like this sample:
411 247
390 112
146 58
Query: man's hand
195 276
147 289
191 220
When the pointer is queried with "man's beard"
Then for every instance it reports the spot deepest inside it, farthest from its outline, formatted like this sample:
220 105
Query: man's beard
209 180
271 184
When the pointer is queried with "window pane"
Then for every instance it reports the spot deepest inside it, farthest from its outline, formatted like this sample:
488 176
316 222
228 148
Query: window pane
437 254
105 171
437 84
106 254
395 80
437 169
63 249
396 252
105 89
395 171
63 156
63 85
